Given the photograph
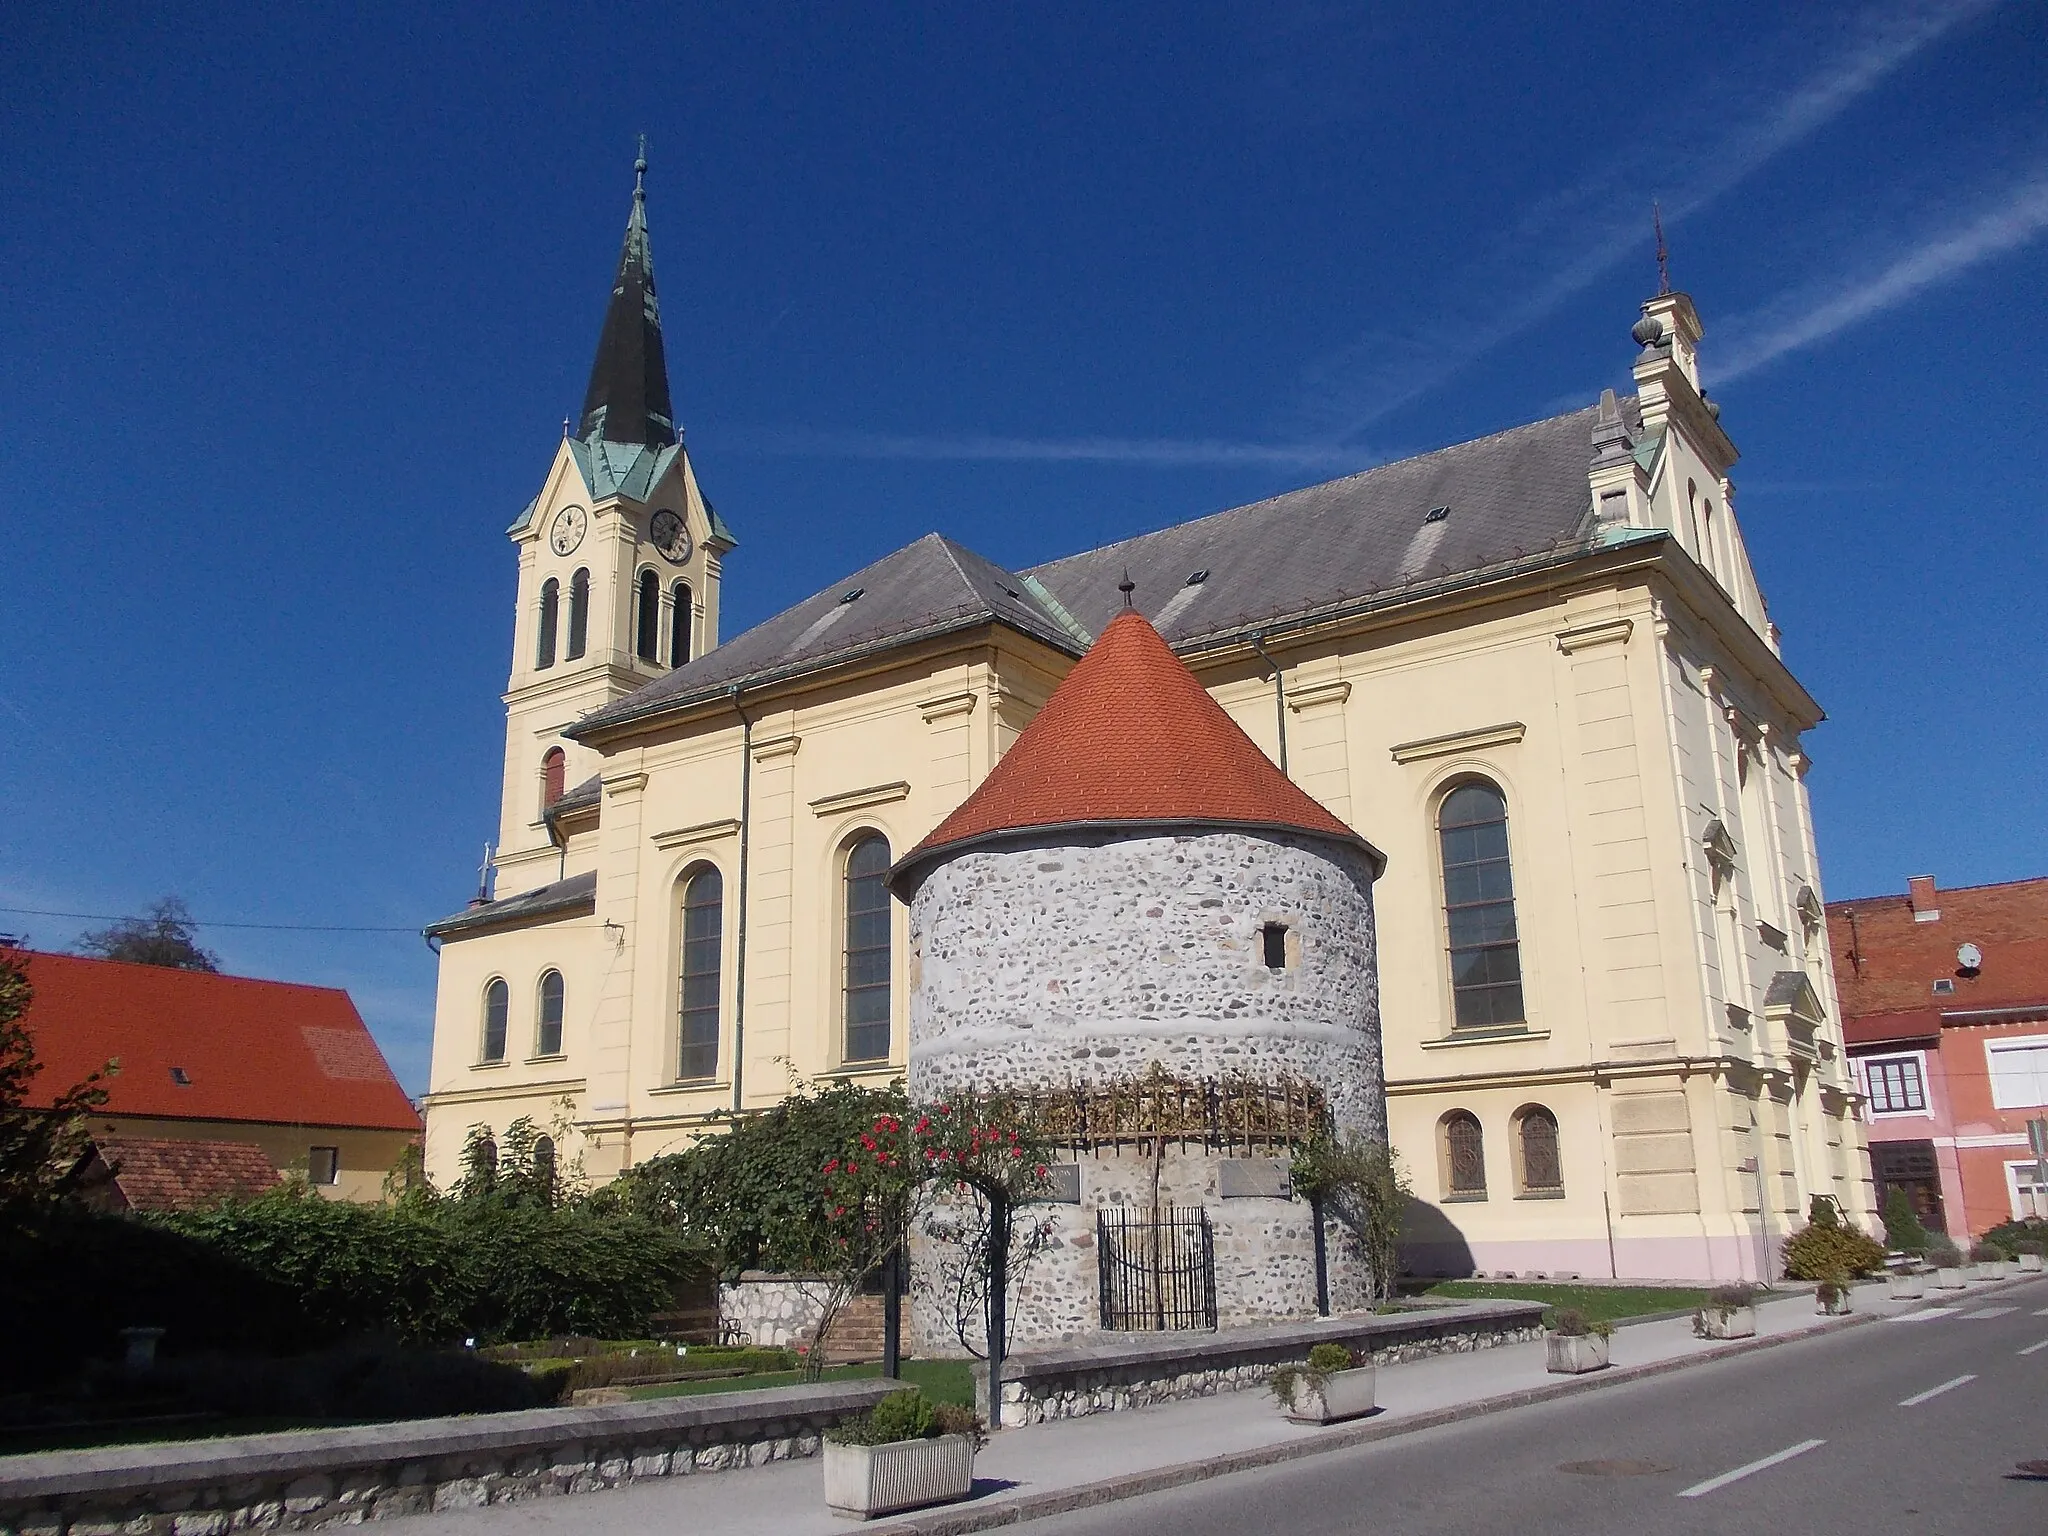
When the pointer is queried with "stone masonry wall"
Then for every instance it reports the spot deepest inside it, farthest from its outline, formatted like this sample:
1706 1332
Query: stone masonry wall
776 1311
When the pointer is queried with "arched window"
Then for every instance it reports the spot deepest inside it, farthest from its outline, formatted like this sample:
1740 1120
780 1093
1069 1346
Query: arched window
679 624
867 950
1464 1156
544 1164
547 1040
497 1012
550 602
647 637
1542 1168
554 768
703 957
1479 907
579 613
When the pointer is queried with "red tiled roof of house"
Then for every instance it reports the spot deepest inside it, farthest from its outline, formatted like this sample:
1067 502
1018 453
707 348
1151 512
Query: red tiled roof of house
273 1052
1896 959
1890 1028
1131 736
155 1174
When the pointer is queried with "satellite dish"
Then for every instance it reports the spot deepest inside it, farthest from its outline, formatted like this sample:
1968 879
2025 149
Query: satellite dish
1970 957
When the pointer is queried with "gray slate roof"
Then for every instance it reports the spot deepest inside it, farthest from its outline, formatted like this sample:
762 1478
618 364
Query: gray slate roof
562 896
1515 494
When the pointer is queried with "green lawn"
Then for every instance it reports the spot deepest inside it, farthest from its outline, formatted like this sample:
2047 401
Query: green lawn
944 1381
1610 1303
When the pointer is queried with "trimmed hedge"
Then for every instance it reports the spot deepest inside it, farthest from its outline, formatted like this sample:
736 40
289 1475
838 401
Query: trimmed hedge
1818 1251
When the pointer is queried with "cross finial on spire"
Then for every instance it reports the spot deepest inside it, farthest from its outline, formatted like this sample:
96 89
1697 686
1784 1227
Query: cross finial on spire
1663 256
1127 587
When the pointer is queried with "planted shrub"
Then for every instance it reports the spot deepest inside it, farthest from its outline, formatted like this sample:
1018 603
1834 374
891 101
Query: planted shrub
1574 1324
1987 1253
1817 1250
1330 1357
1833 1288
2008 1234
2026 1247
1902 1229
1943 1254
905 1415
1730 1298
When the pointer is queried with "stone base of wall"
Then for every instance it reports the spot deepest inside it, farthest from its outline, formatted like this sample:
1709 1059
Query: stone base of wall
314 1478
1134 1371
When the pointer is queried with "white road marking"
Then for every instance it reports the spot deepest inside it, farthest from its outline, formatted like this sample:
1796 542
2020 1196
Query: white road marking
2042 1313
1698 1490
1947 1386
1927 1316
1991 1312
2035 1348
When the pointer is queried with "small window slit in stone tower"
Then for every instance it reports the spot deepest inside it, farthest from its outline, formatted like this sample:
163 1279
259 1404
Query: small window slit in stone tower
1275 935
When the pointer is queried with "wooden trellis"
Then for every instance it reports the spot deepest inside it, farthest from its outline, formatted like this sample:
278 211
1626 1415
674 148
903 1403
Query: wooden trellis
1221 1114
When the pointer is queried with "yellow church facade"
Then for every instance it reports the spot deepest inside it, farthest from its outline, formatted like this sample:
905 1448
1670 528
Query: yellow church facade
1534 670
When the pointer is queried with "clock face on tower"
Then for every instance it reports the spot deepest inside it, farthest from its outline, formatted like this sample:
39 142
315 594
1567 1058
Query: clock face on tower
670 537
567 531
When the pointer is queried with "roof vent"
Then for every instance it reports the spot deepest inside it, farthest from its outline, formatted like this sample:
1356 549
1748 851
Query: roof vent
179 1076
1437 514
852 595
1199 577
1944 987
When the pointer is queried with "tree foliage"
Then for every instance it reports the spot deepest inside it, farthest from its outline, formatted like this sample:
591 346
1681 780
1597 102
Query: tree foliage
1360 1183
1902 1229
39 1148
165 936
1821 1248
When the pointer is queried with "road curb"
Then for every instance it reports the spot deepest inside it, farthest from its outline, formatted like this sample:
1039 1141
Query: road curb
959 1521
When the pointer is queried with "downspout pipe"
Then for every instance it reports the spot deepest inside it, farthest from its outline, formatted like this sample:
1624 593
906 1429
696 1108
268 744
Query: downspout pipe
739 984
1258 642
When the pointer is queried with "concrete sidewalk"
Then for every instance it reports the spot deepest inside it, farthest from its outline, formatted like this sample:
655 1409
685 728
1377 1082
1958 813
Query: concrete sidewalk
1073 1462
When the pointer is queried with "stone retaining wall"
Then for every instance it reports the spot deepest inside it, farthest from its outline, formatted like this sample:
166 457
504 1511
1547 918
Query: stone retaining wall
298 1481
776 1311
1133 1371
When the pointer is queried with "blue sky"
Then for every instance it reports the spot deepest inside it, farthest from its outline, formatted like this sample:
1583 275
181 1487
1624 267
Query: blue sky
295 299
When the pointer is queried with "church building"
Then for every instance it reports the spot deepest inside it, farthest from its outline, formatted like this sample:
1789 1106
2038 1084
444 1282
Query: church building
1533 673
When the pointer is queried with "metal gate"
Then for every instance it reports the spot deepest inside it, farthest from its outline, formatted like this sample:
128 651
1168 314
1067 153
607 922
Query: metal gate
1158 1268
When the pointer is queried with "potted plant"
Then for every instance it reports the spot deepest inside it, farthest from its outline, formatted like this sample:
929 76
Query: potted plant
1907 1284
903 1453
1576 1343
1335 1384
2027 1255
1831 1295
1987 1262
1947 1265
1730 1313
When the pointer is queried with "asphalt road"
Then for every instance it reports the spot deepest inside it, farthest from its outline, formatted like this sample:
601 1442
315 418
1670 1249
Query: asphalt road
1896 1426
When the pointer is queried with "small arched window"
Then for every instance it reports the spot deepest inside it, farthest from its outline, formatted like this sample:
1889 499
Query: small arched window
703 959
544 1164
1479 907
547 1039
550 604
679 624
554 769
867 950
1464 1156
1542 1166
647 635
497 1014
579 614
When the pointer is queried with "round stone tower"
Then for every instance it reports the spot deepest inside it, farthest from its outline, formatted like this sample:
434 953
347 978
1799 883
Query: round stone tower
1140 926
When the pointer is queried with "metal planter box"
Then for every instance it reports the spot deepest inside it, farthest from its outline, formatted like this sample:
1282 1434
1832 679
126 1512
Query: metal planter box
1735 1323
1573 1354
1906 1285
870 1480
1338 1395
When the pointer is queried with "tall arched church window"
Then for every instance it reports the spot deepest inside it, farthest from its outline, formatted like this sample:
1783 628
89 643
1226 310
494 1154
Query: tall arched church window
550 604
647 636
1464 1155
1536 1145
579 614
554 768
1479 907
703 956
867 950
547 1039
497 1014
679 624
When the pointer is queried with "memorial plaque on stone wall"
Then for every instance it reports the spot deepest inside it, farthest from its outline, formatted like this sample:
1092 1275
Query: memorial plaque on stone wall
1255 1178
1063 1183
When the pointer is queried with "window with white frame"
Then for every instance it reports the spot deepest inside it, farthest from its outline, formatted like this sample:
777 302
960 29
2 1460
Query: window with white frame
2019 1072
1897 1085
2029 1196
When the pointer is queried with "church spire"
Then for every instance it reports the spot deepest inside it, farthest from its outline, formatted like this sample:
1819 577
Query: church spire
628 401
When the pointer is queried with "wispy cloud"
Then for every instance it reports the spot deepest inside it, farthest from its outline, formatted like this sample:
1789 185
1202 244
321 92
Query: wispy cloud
1809 315
1572 238
1156 452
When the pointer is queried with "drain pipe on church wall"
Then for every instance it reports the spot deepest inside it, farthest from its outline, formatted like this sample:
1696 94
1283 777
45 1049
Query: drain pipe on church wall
739 983
1258 640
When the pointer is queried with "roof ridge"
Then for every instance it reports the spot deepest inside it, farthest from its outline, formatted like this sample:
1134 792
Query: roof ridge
1939 890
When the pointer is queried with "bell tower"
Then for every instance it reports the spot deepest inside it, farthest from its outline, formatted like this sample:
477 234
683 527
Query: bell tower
619 561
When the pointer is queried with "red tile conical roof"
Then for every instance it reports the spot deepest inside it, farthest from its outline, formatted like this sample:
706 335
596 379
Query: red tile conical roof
1130 738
